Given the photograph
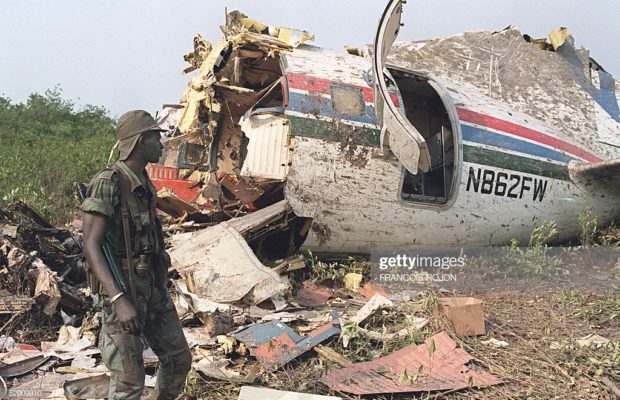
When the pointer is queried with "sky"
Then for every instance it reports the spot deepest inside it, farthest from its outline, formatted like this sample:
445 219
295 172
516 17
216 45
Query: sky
128 54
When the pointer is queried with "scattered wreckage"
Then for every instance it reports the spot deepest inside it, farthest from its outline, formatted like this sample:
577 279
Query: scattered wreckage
243 338
34 255
250 320
277 144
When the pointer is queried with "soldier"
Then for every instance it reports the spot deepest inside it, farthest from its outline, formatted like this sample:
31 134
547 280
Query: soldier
120 211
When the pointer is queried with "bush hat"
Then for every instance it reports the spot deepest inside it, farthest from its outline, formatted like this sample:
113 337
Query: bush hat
131 126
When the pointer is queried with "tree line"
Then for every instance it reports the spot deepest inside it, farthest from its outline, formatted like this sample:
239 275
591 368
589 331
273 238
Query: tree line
47 144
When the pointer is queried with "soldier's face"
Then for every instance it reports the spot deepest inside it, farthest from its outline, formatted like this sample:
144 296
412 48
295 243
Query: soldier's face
152 147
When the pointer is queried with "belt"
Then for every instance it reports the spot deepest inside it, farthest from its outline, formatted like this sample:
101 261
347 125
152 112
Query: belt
141 264
125 262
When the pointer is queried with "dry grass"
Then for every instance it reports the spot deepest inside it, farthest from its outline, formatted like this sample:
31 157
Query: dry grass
530 368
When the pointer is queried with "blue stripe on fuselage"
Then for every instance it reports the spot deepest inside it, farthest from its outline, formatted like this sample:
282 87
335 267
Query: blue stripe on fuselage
323 106
483 136
306 103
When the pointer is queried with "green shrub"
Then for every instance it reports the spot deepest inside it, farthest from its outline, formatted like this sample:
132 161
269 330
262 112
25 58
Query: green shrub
47 144
535 260
588 227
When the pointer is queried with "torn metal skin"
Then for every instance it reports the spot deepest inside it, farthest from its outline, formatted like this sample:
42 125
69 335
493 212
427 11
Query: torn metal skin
229 153
274 344
243 114
22 367
435 365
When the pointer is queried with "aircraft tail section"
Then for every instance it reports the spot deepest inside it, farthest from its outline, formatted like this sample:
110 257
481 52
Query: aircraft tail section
603 177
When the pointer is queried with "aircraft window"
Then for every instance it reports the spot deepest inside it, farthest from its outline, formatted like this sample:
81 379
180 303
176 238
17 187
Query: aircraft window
348 100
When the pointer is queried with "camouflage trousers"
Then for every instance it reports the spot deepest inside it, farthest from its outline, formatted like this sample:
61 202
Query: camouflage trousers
122 352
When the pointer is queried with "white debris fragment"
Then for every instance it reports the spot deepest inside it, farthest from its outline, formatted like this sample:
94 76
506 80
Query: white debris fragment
224 267
83 362
592 339
376 302
494 343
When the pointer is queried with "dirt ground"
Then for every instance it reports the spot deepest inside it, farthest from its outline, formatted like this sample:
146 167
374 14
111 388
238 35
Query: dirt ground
541 361
540 324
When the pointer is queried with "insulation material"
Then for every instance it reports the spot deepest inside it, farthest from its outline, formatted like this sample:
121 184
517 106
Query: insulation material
253 25
46 290
435 365
214 59
202 48
200 92
188 122
268 150
558 37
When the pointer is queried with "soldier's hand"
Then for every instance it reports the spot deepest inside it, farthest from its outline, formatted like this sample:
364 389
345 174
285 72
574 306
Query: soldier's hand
127 316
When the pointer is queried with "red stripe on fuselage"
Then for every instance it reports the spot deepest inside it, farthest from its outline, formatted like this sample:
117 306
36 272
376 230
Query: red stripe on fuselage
318 85
524 132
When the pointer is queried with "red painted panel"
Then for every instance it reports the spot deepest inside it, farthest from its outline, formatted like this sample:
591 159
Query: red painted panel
178 186
157 171
312 84
437 365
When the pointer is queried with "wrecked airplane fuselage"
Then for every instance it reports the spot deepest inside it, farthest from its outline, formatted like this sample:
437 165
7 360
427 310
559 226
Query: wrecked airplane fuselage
270 119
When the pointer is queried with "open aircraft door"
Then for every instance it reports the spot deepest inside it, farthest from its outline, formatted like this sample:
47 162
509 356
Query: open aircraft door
403 138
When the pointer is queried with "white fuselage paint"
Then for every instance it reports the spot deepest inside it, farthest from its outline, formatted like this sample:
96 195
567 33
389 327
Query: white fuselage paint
359 209
363 210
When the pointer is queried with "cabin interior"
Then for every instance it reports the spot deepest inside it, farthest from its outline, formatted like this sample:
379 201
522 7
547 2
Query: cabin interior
246 83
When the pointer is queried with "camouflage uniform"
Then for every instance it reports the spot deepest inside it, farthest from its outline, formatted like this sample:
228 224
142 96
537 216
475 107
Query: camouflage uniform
122 352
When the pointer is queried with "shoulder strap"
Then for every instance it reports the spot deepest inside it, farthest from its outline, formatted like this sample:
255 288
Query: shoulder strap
105 173
129 205
125 196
